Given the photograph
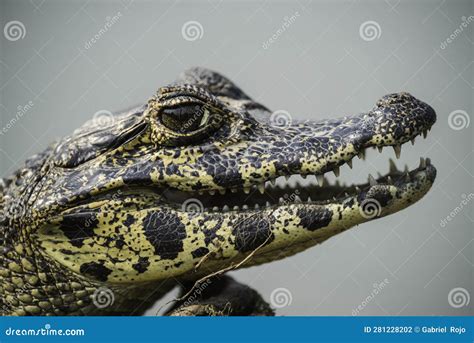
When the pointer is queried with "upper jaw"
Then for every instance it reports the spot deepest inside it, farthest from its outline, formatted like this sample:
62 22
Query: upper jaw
315 148
309 148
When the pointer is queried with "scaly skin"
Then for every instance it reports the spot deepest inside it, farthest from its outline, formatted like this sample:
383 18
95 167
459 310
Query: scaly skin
114 204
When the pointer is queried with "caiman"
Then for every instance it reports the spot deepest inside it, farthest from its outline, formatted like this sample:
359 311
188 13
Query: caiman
183 189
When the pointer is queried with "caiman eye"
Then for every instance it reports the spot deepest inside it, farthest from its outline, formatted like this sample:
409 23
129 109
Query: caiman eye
184 114
185 118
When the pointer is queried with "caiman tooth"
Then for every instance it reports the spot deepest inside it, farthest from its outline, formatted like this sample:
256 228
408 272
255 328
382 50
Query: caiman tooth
212 192
215 208
372 181
281 201
222 191
413 141
349 163
422 163
245 207
246 190
261 188
389 180
357 189
361 154
346 195
336 171
425 133
398 150
257 206
392 166
235 208
233 190
309 200
297 200
225 208
407 177
267 204
428 161
320 179
405 169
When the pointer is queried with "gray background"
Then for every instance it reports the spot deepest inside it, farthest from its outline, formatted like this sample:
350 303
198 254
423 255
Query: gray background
319 67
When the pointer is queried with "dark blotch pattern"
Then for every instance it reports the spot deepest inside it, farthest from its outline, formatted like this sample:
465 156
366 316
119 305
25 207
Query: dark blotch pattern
165 232
142 265
381 194
199 252
313 219
252 233
95 270
78 227
129 220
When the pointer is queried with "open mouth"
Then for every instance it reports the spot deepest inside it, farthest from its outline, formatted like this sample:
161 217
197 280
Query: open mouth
316 190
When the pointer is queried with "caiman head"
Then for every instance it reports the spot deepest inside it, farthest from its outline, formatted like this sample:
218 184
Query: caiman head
187 185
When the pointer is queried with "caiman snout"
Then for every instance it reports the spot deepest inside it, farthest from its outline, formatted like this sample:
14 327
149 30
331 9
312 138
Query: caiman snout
405 104
400 117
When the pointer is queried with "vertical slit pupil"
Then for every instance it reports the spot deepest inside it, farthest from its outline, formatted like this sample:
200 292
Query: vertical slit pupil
183 118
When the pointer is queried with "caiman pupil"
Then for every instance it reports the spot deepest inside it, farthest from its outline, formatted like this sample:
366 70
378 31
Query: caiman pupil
186 118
